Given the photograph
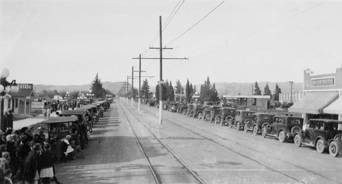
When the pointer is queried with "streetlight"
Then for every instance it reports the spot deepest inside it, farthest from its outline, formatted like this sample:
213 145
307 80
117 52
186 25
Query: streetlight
4 83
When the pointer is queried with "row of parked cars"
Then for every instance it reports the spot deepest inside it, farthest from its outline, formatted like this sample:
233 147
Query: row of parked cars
322 134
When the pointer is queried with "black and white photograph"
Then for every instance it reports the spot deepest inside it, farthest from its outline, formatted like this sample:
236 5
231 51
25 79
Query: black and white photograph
170 92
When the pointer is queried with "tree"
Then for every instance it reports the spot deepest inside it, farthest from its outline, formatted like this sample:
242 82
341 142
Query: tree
179 88
277 92
73 94
257 90
188 91
267 90
208 92
145 90
97 88
171 92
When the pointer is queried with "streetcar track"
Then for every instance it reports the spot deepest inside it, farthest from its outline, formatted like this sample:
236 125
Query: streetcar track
246 156
249 148
154 173
173 153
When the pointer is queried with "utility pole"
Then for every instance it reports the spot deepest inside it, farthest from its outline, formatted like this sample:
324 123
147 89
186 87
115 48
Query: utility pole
161 58
132 85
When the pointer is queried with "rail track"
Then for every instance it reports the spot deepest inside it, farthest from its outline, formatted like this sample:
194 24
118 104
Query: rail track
156 176
245 155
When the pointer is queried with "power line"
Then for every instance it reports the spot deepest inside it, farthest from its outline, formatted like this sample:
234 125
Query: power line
168 20
173 15
195 24
173 10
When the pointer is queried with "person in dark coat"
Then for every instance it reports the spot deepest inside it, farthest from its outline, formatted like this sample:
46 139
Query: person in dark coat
46 165
30 170
9 122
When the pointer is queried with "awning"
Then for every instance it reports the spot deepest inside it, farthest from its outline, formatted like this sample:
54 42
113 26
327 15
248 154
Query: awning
335 107
314 102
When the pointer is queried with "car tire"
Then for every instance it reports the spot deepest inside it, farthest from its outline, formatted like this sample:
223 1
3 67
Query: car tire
264 131
334 148
255 130
298 140
207 117
245 129
282 136
237 126
320 146
218 120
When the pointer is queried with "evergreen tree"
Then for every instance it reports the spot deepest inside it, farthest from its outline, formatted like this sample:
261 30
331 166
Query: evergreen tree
257 90
171 92
267 90
178 87
97 88
187 91
208 92
145 90
277 92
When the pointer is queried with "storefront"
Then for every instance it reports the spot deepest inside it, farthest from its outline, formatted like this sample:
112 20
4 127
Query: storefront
322 96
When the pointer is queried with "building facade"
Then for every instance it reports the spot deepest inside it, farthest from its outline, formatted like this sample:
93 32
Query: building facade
322 96
21 100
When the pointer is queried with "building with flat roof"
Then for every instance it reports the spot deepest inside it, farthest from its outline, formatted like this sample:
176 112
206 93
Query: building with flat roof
322 96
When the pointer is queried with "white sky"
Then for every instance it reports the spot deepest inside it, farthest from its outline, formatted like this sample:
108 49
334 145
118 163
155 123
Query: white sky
68 41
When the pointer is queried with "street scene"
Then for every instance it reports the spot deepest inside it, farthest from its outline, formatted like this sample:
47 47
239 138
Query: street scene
170 92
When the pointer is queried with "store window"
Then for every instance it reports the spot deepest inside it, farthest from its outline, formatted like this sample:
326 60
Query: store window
16 103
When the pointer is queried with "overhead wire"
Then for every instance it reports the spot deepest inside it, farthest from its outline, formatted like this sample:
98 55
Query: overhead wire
195 24
172 15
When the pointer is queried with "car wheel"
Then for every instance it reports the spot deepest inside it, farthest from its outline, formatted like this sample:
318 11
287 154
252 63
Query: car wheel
320 146
245 129
255 130
200 116
238 126
298 140
334 148
264 131
282 136
207 117
217 120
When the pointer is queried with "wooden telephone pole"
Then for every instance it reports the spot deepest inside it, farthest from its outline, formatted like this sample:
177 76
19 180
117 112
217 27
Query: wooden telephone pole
160 48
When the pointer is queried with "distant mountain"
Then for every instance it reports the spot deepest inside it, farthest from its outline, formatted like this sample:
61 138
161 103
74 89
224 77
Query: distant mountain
114 87
225 88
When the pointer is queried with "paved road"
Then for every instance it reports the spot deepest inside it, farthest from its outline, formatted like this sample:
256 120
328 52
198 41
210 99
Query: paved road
223 155
216 154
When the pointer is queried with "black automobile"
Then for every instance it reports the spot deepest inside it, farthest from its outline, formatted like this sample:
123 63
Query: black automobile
322 134
283 127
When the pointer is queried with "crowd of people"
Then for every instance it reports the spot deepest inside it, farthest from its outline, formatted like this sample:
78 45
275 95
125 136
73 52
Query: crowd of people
28 155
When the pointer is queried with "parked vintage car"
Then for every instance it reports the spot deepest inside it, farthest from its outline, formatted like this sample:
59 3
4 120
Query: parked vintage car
226 116
242 117
198 111
322 134
182 108
190 109
283 127
172 107
215 111
261 119
205 115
